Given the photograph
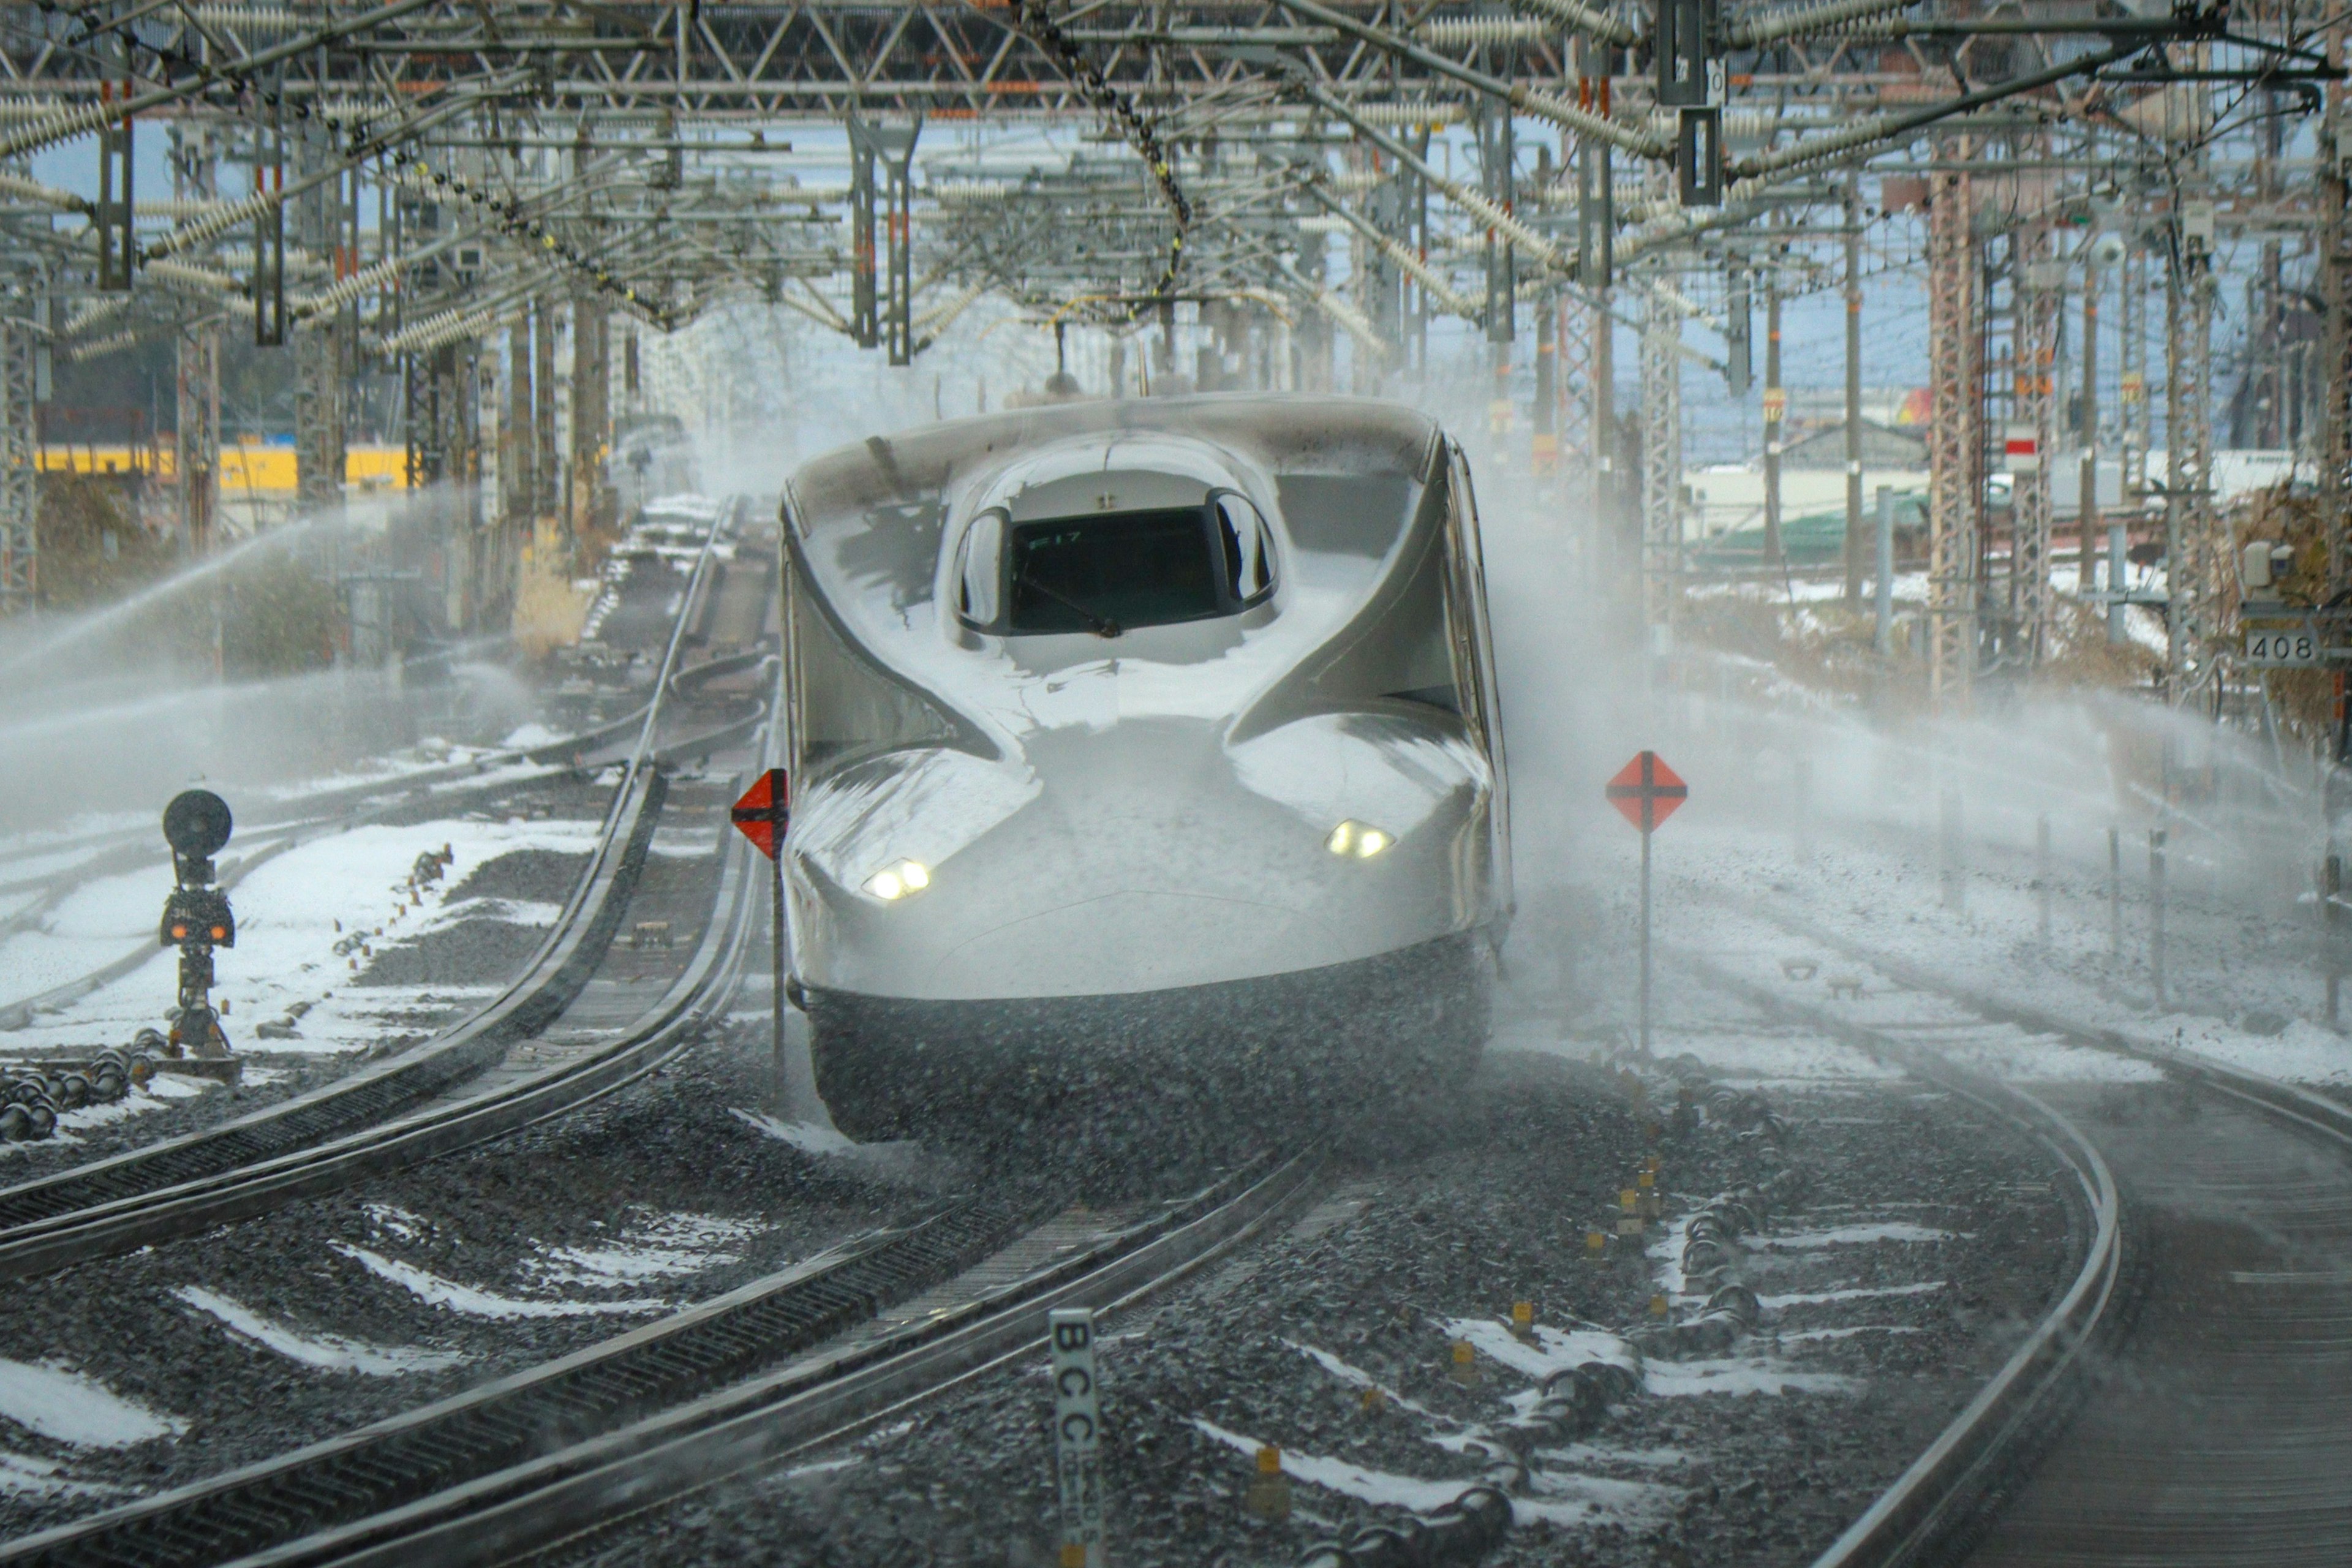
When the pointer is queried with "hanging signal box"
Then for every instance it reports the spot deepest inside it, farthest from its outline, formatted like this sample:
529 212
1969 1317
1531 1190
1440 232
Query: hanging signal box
1685 51
1698 157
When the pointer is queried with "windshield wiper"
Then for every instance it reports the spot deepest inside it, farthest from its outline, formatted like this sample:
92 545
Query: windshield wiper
1101 626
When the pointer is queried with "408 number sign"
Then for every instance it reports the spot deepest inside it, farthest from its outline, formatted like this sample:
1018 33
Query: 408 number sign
2287 647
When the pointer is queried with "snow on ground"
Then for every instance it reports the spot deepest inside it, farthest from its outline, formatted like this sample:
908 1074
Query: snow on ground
327 1353
1889 904
1547 1351
402 1224
470 1301
1854 1234
21 1475
1852 1293
1561 1498
288 912
901 1160
67 1407
650 1246
1741 1374
424 757
806 1136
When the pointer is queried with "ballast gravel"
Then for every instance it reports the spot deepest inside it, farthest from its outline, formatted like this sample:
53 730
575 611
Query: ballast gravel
464 1269
1927 1240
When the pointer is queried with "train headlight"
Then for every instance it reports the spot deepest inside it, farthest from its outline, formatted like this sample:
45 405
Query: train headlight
1357 840
895 882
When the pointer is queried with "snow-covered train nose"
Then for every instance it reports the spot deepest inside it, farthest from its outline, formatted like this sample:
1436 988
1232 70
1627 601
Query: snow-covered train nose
1145 856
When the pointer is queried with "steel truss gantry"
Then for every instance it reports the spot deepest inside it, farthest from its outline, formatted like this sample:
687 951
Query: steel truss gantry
1662 463
2038 287
1954 435
2193 552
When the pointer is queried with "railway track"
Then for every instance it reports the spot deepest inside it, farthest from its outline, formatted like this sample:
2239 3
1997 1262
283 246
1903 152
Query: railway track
427 1100
811 1354
2209 1426
796 1358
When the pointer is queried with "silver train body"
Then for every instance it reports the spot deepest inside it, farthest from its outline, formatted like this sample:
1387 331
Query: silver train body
1150 747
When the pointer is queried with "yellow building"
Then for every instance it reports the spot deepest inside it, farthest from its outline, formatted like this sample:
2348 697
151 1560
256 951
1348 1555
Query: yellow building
262 470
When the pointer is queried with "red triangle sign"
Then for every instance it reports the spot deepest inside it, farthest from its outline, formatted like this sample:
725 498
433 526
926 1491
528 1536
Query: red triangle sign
1647 791
765 811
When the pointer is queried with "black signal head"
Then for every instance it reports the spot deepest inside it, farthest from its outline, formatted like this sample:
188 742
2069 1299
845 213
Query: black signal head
197 823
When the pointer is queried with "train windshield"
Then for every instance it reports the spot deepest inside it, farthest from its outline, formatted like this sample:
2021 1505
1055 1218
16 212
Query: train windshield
1119 570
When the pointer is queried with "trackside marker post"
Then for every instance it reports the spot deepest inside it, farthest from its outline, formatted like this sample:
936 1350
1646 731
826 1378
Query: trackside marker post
1646 792
762 814
1077 1437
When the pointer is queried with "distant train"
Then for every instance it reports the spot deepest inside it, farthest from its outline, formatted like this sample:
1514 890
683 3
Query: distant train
1147 752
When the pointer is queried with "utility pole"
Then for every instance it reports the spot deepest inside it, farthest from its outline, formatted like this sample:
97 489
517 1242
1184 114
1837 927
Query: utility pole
2190 547
2086 508
2039 295
1578 336
1954 441
20 549
518 432
1662 468
591 404
321 374
2334 265
195 443
195 437
1854 391
2131 380
1775 408
547 492
1544 448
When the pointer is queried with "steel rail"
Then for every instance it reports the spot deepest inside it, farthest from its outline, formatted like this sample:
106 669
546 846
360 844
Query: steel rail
1950 1517
2303 1109
221 1508
317 1141
1945 1490
819 1397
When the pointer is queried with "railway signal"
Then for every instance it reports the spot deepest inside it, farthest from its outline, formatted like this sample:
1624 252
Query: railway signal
1646 792
760 815
196 917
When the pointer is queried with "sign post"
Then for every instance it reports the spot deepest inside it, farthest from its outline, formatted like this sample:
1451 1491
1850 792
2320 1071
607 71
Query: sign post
762 814
1646 792
1078 1437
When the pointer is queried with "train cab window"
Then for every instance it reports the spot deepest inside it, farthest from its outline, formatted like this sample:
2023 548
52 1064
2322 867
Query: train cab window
979 568
1110 571
1248 547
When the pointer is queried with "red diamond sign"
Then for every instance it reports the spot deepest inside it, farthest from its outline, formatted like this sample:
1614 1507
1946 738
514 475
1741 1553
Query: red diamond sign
765 811
1647 791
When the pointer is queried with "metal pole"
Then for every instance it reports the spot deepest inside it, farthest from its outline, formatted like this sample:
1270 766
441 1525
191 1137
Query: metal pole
1883 637
1955 887
1804 813
776 913
2155 913
1774 409
2331 913
1645 944
2086 501
2042 872
2115 892
2118 561
1854 391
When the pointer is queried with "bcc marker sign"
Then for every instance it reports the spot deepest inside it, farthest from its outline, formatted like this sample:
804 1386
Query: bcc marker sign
1078 1437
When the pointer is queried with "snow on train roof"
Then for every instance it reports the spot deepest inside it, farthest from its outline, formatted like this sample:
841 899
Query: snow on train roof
1339 477
867 488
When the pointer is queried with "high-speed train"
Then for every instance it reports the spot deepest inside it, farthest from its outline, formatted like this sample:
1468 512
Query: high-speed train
1144 750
